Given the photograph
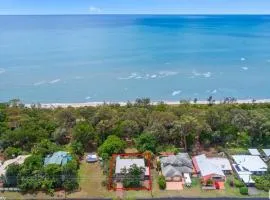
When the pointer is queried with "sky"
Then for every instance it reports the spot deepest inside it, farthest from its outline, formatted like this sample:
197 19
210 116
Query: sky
47 7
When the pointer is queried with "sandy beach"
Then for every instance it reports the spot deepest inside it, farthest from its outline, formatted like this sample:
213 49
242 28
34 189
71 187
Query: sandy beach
122 103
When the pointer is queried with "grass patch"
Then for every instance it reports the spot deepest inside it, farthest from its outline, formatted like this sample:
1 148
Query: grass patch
234 151
91 177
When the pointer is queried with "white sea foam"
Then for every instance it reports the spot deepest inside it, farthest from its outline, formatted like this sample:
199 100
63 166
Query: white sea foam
161 74
214 91
245 68
167 73
39 83
243 59
195 73
2 70
204 74
54 81
88 97
207 74
176 92
133 75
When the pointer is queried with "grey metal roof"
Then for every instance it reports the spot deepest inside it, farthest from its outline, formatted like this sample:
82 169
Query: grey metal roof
176 165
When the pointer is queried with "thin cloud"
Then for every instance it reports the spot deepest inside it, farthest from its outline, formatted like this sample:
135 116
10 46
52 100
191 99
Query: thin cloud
93 9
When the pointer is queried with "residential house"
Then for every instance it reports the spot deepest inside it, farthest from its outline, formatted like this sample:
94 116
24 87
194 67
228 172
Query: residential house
59 158
212 169
253 164
248 165
243 174
124 163
254 152
177 167
267 153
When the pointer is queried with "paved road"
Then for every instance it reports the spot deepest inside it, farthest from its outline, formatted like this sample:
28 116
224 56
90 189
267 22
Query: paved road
216 198
170 198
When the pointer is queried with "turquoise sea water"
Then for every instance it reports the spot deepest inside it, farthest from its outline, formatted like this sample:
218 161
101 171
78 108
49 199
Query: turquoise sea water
122 57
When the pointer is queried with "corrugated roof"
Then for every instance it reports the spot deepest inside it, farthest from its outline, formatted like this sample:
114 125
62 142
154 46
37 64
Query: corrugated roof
254 152
176 165
223 163
252 163
267 152
206 167
126 163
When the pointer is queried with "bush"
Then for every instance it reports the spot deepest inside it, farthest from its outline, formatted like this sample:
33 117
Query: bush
262 182
111 145
238 183
209 182
104 183
12 152
162 182
243 190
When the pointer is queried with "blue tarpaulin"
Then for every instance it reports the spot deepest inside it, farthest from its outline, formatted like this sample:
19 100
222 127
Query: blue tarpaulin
59 158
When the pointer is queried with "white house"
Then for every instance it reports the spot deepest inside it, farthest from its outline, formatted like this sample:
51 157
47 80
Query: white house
223 163
254 152
253 164
243 174
267 152
124 163
207 169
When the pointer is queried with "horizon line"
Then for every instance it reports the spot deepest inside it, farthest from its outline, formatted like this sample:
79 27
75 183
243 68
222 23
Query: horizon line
175 14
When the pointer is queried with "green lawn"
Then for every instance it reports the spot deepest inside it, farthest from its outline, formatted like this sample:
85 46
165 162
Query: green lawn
194 191
91 177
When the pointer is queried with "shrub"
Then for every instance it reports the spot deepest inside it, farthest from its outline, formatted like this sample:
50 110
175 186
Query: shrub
238 183
262 182
162 182
243 190
209 182
104 183
111 145
12 152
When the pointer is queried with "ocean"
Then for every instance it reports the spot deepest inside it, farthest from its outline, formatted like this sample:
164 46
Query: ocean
84 58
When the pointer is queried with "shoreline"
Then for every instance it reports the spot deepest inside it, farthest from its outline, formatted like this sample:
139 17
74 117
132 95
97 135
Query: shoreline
124 103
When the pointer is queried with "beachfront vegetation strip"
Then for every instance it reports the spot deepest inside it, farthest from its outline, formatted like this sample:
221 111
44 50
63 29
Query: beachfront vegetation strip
108 129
